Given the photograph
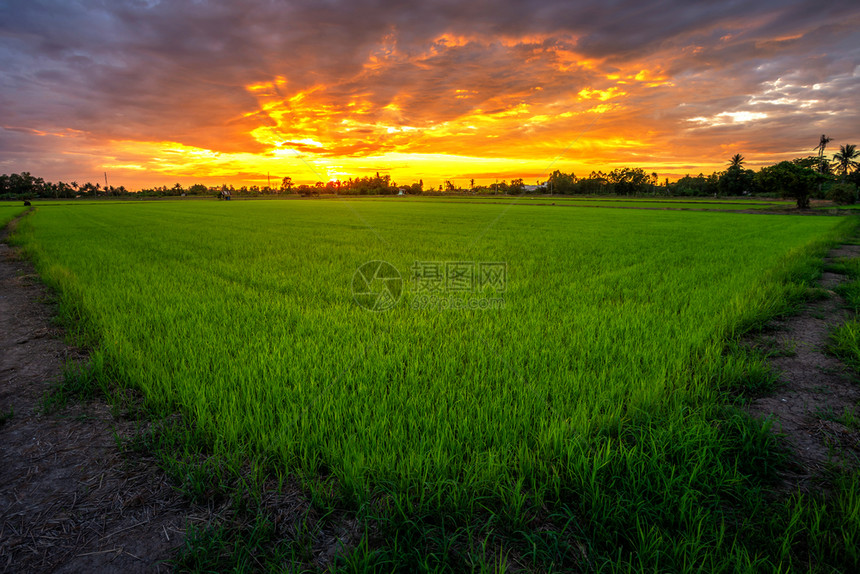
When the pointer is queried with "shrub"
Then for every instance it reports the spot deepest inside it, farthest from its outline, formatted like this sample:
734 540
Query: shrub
843 193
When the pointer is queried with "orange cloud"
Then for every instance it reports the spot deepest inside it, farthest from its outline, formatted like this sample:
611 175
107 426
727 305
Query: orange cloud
331 91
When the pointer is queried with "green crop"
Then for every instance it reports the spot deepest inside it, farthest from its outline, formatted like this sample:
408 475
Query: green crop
651 202
594 395
9 212
567 201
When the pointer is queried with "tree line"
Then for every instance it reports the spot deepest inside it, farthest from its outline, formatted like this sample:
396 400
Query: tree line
803 178
26 186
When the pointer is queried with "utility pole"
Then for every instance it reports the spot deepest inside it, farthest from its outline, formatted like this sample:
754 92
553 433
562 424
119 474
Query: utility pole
269 178
106 185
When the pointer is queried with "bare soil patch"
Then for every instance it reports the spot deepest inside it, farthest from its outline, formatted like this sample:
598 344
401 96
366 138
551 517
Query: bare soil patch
70 500
817 388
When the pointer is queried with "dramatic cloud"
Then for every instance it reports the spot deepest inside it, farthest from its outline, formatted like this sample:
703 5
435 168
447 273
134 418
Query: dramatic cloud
192 90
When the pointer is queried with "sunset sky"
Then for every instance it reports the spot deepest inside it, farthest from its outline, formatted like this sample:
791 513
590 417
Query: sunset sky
159 92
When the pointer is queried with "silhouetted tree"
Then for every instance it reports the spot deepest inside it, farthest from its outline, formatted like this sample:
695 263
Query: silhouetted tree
560 182
789 179
737 161
822 143
736 180
629 181
287 185
846 160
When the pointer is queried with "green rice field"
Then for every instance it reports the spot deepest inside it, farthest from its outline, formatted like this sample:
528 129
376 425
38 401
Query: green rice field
9 212
575 409
644 203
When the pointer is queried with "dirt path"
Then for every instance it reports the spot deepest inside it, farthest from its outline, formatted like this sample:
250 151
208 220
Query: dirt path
70 501
816 387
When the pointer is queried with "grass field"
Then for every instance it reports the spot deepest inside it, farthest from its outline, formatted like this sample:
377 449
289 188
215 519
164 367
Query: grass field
581 423
644 202
9 212
683 203
854 207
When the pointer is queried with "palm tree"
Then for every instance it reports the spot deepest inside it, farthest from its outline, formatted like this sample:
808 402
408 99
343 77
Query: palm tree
823 166
822 143
845 159
737 161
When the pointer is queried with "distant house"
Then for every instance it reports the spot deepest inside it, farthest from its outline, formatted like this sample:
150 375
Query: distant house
531 187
